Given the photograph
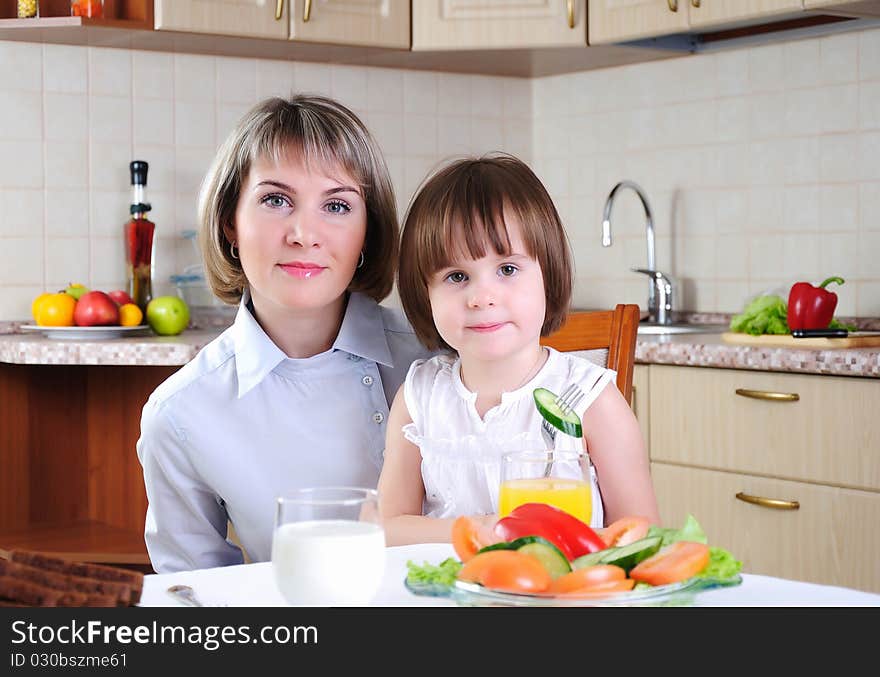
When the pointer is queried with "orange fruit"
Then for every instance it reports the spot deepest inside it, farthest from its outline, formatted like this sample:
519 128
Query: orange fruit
130 315
36 303
55 310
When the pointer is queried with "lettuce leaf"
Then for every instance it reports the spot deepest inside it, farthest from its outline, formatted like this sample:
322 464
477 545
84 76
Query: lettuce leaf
765 315
722 565
433 574
691 531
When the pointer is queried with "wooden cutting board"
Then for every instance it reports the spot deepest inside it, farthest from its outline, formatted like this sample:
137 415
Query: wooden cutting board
857 339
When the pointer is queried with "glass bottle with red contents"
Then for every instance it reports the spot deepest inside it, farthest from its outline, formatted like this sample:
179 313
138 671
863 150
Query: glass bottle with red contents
139 239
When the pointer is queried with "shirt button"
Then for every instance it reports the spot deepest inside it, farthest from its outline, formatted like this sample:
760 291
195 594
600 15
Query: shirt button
367 380
378 417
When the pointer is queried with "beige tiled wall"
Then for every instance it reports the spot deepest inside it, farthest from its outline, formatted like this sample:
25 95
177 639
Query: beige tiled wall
72 118
762 166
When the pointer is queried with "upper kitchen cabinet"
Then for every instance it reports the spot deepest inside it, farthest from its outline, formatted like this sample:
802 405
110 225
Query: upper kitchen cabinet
623 20
703 13
867 8
245 18
619 20
377 23
372 23
498 24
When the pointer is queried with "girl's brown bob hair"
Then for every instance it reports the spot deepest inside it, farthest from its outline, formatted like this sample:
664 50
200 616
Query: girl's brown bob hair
325 134
458 211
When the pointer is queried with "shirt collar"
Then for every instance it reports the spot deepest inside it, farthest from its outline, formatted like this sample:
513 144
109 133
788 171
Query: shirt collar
256 355
362 333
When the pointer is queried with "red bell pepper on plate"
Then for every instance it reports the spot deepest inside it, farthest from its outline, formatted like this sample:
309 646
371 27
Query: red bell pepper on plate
572 536
811 307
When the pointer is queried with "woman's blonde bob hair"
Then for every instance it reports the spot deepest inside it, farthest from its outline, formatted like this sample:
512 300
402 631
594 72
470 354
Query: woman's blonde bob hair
323 134
459 212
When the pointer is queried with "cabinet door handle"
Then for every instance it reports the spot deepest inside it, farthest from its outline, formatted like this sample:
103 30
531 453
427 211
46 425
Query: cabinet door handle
673 5
279 10
775 503
696 3
767 395
569 4
307 11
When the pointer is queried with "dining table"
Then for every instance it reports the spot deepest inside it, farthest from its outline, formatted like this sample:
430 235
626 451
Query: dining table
253 585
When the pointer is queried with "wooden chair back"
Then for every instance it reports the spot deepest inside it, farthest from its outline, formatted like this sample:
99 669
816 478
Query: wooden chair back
611 330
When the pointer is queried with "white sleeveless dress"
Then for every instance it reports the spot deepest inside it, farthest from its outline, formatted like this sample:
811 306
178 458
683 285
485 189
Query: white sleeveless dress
461 452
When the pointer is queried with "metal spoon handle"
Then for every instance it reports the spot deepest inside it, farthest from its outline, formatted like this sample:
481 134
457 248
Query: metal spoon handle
185 594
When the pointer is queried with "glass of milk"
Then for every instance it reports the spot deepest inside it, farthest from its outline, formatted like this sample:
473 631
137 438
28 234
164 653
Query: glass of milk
328 547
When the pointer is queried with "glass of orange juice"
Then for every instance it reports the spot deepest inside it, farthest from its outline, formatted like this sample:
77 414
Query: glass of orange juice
559 478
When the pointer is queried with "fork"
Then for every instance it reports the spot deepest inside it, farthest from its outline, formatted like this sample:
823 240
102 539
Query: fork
566 402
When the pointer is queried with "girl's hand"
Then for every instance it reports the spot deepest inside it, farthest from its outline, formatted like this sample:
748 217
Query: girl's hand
487 526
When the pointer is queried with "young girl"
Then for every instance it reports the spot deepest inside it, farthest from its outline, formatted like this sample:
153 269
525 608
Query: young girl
485 271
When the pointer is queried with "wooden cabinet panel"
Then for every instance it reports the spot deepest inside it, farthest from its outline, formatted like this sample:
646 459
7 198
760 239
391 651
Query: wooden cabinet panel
619 20
640 405
250 18
866 8
71 481
831 539
377 23
493 24
831 434
720 12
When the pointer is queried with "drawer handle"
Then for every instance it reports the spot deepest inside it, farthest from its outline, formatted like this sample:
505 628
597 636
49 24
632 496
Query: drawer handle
279 10
767 395
774 503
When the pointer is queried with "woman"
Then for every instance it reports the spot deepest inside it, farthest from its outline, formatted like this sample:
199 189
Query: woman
299 227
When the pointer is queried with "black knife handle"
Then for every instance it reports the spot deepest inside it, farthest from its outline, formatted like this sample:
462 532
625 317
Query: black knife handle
819 333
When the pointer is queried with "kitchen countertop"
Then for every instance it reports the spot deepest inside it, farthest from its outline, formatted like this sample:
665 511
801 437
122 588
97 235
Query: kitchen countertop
692 350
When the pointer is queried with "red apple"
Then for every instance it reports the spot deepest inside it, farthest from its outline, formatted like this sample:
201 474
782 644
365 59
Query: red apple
121 297
95 308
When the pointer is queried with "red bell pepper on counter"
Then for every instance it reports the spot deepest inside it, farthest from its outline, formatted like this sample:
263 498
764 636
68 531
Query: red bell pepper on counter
573 537
811 307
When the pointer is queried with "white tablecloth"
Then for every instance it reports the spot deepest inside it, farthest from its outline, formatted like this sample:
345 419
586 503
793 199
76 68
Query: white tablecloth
254 585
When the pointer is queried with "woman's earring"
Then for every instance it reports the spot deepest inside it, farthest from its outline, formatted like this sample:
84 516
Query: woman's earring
361 260
233 250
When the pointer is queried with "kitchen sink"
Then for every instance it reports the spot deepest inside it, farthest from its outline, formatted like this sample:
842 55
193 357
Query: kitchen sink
649 328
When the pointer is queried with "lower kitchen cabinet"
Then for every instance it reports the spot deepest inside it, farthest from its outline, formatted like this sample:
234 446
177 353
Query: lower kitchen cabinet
832 537
71 482
804 448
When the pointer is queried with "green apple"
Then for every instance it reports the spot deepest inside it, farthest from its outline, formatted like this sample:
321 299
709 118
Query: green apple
167 315
76 290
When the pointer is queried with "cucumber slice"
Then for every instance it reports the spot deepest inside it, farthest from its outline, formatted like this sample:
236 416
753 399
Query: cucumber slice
515 544
549 555
568 423
588 560
624 556
627 556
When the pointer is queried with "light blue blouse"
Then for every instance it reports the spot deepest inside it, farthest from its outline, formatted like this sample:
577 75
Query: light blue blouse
242 424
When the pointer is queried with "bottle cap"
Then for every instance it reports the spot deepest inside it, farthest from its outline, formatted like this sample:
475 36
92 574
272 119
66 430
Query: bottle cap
138 172
140 208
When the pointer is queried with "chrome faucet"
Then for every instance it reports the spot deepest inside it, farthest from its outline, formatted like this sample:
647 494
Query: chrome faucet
660 291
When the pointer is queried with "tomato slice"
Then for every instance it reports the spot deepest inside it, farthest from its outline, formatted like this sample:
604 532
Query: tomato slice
673 563
506 570
601 589
469 537
580 579
625 530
